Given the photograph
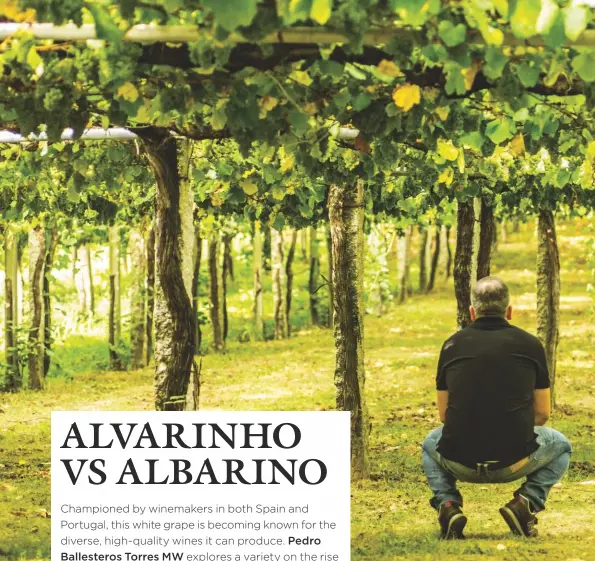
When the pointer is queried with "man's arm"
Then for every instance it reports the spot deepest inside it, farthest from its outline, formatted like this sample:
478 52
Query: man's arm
541 392
442 401
541 405
441 387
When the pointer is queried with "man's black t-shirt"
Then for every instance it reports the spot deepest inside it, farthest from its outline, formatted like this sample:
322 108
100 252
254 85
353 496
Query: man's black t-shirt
490 370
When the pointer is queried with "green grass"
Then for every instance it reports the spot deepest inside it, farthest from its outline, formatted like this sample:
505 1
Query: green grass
391 518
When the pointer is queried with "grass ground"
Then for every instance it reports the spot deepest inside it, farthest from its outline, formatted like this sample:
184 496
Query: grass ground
391 518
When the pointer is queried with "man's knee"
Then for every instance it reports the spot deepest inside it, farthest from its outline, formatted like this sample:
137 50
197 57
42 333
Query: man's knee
431 441
549 436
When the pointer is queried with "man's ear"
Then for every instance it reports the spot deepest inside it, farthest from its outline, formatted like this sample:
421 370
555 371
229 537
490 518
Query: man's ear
509 313
472 312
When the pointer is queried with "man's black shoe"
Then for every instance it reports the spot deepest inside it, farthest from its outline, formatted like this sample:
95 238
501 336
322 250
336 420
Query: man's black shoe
452 521
519 517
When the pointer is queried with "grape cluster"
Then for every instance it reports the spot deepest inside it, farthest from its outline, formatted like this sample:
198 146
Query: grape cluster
53 99
173 98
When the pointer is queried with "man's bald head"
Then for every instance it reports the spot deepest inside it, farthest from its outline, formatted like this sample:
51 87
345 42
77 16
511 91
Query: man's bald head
489 297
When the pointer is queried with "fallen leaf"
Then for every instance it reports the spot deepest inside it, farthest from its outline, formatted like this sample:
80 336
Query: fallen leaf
589 482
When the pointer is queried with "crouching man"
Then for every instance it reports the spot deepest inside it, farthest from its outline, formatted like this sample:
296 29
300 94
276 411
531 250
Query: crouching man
493 398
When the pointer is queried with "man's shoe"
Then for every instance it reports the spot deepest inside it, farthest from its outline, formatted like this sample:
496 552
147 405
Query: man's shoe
519 517
452 521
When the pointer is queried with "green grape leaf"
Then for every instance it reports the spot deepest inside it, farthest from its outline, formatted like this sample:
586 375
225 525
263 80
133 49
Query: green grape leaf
330 67
435 53
474 140
556 37
298 121
72 194
561 178
547 16
292 10
341 99
521 115
305 211
7 114
173 5
455 81
584 65
452 35
528 74
391 109
80 165
495 62
236 196
104 25
232 14
249 187
129 175
524 18
278 193
415 12
576 19
33 58
75 184
500 130
361 101
219 118
279 221
355 72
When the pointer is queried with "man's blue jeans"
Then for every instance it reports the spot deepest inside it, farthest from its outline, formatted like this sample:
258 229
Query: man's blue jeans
546 467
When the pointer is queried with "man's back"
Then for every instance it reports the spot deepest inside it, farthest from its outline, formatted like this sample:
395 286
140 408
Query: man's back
490 370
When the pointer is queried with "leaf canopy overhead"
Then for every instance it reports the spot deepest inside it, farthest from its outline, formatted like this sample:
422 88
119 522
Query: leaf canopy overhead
454 86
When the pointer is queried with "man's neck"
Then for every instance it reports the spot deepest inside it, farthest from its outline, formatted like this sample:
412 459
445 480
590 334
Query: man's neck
491 318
